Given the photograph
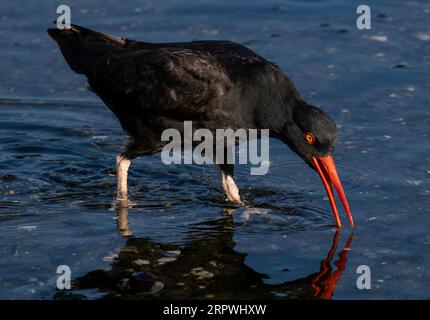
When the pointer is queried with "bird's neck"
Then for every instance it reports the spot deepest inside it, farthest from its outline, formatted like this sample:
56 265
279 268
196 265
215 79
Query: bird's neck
275 110
290 132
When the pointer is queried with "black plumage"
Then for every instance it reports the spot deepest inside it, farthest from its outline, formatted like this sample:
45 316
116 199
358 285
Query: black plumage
151 87
216 84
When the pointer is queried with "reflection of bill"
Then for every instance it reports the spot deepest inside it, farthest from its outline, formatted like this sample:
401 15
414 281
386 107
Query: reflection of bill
324 283
207 266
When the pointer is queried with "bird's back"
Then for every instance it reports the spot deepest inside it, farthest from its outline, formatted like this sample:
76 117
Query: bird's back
154 86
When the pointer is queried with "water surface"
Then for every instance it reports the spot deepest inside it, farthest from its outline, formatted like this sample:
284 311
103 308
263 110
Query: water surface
176 238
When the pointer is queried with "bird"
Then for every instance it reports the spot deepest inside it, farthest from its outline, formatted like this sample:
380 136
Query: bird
151 87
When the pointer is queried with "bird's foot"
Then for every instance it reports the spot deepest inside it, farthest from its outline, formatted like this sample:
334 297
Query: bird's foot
119 203
122 200
236 202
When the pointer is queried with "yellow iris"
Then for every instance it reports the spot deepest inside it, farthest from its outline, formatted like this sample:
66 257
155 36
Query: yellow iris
310 138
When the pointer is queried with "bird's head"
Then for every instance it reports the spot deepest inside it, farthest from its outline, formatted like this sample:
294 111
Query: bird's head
312 134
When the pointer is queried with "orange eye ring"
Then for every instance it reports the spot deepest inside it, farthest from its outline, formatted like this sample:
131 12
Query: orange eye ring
310 138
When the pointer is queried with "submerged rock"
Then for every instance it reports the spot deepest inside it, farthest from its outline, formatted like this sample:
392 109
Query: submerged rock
201 273
8 177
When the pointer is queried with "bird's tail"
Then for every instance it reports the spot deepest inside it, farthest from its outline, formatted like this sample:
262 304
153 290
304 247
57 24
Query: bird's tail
81 46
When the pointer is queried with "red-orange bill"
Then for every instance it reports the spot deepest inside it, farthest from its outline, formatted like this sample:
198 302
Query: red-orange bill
329 176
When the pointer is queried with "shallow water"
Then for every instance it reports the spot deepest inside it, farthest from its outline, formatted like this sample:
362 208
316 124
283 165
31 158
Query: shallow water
58 143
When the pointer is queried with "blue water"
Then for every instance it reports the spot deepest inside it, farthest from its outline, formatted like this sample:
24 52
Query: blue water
58 143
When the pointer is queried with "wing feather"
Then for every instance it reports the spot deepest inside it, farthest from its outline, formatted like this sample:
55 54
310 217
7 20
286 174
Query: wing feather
161 80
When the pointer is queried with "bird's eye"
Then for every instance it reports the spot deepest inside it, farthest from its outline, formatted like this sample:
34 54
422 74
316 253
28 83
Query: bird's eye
310 138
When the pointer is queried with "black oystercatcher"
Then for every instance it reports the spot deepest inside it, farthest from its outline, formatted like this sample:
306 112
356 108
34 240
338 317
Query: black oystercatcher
216 84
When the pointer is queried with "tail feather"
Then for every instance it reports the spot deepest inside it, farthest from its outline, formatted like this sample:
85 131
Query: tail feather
81 47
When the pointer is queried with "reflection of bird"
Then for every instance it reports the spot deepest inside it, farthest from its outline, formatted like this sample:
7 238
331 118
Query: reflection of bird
207 266
151 87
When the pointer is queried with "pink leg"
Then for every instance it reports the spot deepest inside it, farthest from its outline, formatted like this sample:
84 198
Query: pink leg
122 165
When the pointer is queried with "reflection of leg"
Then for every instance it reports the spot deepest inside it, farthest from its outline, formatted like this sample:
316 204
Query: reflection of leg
227 212
229 186
122 165
123 228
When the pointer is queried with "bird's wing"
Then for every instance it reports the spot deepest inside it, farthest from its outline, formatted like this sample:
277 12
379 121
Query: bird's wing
163 81
237 59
